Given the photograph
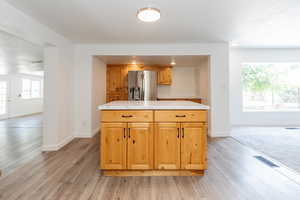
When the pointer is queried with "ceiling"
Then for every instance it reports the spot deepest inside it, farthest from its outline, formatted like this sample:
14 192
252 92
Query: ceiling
19 56
241 22
182 61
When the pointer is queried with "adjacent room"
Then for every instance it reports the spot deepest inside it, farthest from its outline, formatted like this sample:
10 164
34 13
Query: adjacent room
21 101
265 102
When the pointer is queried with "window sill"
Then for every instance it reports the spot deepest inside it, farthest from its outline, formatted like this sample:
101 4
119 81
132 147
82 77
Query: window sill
271 111
38 98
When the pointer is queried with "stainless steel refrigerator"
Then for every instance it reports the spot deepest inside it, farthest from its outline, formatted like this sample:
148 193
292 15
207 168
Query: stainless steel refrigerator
142 85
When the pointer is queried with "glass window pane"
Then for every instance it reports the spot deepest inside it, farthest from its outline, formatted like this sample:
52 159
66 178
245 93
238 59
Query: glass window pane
26 88
3 97
36 89
271 86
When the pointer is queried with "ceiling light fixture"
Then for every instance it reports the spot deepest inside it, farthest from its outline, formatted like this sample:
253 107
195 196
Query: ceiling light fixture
148 14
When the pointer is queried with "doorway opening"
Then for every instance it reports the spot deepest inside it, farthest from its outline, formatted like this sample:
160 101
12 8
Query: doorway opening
21 101
179 77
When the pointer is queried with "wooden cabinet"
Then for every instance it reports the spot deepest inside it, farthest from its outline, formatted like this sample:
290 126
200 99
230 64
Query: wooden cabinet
180 116
140 146
113 145
127 140
156 142
167 146
193 146
165 76
127 116
180 146
116 86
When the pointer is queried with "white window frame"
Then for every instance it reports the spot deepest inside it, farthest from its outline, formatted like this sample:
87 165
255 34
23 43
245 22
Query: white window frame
31 89
281 110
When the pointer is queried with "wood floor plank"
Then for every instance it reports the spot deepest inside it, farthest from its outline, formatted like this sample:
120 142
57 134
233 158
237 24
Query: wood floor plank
72 173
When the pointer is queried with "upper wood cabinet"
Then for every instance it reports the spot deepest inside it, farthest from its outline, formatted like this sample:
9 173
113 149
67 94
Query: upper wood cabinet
116 83
140 146
167 146
113 145
165 76
193 146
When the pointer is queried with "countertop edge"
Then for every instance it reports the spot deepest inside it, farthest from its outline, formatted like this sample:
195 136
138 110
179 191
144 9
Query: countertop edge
152 108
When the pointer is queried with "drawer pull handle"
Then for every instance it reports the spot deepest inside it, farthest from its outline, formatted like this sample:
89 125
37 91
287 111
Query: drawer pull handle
180 115
126 116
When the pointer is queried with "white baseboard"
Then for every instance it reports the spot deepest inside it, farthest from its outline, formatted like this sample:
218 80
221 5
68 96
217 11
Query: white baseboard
87 135
220 134
58 146
82 135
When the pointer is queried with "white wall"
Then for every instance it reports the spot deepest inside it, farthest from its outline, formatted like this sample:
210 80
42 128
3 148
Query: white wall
184 84
57 129
203 80
98 91
219 78
18 106
239 56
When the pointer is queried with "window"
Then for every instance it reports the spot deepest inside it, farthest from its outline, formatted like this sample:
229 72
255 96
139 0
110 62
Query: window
31 89
271 86
3 97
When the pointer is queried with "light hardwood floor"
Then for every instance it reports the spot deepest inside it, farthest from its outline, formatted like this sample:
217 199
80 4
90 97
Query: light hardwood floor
20 141
72 173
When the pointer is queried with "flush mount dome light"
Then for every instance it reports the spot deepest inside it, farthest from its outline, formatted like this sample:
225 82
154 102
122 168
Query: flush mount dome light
148 14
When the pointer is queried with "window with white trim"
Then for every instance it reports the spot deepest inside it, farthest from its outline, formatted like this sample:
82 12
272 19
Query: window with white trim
31 89
271 86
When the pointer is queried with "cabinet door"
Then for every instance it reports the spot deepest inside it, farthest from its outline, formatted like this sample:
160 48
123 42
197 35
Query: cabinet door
114 80
140 146
167 145
113 145
193 146
165 76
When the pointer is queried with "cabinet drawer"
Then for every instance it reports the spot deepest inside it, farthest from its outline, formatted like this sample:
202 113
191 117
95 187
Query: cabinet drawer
127 116
181 116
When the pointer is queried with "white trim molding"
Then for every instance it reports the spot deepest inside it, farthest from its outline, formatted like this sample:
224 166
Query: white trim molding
58 146
220 134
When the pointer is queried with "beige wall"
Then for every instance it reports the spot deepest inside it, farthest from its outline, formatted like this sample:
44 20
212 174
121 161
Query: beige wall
188 82
184 84
98 91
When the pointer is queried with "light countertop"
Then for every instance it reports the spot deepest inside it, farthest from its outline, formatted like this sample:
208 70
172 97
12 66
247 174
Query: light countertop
152 105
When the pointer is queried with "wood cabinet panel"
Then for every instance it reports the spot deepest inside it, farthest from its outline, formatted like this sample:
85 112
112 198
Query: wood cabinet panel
180 116
165 76
167 146
193 146
116 83
140 146
127 116
113 145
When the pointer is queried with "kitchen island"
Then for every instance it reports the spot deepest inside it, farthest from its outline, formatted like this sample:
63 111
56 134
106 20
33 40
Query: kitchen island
153 138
